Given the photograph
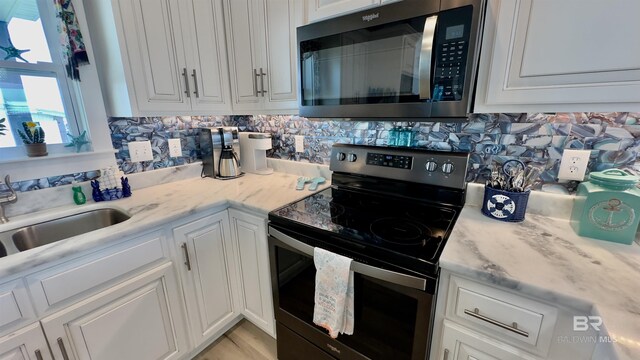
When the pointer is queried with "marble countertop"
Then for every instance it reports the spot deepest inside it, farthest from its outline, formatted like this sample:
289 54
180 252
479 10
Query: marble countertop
156 206
543 257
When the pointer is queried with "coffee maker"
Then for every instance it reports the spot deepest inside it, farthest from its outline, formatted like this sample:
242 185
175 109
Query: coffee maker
254 147
219 149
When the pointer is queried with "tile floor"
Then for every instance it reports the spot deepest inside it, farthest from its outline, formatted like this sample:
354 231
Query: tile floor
243 341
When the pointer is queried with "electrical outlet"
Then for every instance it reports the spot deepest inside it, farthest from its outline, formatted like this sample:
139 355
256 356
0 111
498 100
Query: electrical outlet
573 165
175 148
299 143
140 151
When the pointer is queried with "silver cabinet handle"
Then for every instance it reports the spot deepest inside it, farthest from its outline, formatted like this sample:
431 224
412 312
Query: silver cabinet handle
38 354
187 261
262 74
195 83
63 350
446 354
368 270
186 82
513 328
255 82
426 54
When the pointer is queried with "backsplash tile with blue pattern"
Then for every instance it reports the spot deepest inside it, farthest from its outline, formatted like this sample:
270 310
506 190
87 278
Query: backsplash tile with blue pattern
613 138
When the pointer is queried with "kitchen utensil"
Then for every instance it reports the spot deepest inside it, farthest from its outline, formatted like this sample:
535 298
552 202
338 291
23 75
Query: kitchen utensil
315 182
301 182
532 173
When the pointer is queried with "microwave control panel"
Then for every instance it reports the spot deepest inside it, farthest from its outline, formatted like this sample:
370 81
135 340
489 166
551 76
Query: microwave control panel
451 53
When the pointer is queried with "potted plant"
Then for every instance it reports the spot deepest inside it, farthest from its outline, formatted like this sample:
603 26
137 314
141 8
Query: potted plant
3 127
33 138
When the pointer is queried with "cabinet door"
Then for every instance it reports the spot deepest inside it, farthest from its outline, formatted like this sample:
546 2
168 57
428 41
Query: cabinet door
245 53
27 343
155 53
250 239
136 320
203 28
281 17
204 243
460 343
542 56
320 9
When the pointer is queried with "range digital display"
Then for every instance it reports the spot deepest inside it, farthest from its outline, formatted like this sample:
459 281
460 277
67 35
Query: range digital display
394 161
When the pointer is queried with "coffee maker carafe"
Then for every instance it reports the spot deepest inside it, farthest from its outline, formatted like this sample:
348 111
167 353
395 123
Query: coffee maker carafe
219 151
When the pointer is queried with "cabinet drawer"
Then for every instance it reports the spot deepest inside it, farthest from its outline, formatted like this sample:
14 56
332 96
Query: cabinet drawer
58 284
512 318
14 305
519 323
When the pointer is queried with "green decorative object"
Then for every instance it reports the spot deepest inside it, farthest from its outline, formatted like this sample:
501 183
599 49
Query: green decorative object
607 206
32 134
78 141
12 52
78 195
3 127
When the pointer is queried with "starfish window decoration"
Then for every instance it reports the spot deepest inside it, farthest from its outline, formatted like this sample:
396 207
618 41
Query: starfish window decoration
12 52
78 141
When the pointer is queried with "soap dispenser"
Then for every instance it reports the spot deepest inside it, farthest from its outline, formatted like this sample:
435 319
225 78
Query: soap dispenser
78 196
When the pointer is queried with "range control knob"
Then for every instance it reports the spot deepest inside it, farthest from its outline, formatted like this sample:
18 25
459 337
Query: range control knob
431 166
340 156
352 157
447 168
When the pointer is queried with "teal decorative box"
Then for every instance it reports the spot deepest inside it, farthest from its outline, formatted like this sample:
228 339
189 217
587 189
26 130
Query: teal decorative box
607 207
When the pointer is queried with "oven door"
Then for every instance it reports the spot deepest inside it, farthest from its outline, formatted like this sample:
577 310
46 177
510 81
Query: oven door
392 310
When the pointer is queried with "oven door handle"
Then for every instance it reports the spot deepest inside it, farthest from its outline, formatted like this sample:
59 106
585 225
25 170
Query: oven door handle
364 269
426 56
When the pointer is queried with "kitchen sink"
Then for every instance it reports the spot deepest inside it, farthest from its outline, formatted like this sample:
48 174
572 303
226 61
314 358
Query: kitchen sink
48 232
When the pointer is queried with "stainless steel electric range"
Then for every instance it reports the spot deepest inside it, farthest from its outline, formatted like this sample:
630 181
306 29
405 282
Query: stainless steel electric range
391 211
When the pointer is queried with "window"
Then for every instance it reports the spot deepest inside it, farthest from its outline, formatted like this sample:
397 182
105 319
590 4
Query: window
33 81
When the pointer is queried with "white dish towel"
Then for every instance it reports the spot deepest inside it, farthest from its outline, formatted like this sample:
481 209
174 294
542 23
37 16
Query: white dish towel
333 308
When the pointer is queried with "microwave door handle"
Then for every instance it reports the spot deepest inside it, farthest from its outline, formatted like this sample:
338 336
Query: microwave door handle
364 269
426 56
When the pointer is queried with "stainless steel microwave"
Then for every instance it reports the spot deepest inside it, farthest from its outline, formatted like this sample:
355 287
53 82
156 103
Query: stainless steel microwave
410 59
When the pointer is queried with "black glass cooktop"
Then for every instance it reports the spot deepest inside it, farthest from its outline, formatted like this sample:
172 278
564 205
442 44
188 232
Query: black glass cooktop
400 231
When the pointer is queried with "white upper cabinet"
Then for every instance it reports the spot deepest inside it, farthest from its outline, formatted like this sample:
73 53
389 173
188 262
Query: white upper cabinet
207 62
261 39
160 57
566 55
322 9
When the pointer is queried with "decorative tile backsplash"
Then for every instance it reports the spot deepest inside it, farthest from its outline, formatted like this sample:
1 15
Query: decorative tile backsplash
613 138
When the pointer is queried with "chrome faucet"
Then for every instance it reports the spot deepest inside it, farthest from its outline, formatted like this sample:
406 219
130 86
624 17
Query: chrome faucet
9 198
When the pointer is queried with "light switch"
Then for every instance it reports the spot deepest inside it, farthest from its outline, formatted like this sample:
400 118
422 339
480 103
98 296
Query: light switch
140 151
175 148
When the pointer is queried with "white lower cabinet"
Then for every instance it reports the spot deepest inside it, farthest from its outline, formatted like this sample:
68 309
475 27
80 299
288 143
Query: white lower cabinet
460 343
136 319
140 300
249 235
205 247
478 320
27 343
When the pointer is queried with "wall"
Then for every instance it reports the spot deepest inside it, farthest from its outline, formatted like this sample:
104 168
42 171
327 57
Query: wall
613 138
